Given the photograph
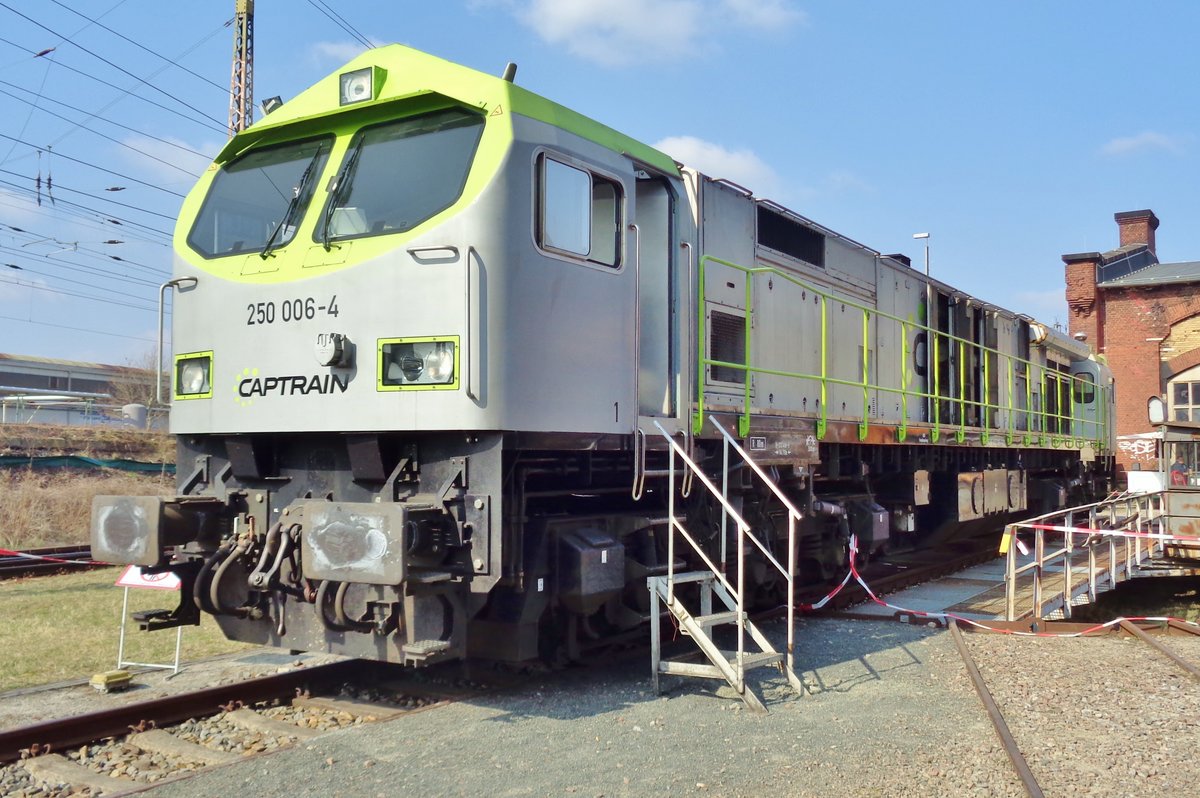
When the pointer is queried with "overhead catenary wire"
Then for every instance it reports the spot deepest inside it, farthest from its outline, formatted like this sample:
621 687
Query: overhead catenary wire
29 116
61 187
22 258
98 168
127 91
34 236
338 20
141 46
83 284
36 287
89 220
115 66
116 141
67 202
112 122
124 91
76 329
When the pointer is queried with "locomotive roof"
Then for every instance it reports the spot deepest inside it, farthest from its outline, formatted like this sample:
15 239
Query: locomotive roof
412 74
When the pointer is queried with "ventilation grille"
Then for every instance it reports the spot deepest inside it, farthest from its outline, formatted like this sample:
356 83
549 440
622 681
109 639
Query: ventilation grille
727 342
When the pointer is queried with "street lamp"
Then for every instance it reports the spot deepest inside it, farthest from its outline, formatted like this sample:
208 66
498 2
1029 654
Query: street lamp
925 237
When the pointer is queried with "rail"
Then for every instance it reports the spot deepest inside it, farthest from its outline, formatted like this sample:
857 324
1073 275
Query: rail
1069 559
1046 417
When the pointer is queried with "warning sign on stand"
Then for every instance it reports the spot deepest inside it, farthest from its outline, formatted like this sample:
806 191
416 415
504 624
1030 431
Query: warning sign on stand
132 576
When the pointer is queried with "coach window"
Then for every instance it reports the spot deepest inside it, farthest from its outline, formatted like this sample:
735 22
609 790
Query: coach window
578 213
1084 389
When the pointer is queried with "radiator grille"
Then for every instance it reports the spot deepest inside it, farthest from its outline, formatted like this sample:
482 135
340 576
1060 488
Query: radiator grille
727 342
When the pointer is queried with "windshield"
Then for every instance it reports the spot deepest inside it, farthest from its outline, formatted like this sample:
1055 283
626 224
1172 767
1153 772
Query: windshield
398 174
256 201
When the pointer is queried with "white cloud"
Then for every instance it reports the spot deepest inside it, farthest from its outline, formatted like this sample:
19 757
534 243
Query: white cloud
340 52
19 210
1146 141
740 166
172 160
622 32
843 181
769 15
618 32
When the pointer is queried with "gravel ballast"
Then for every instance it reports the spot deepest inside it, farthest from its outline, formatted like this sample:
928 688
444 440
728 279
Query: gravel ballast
891 713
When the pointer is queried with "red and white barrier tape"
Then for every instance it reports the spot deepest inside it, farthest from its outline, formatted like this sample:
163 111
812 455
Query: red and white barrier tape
24 555
1119 533
947 616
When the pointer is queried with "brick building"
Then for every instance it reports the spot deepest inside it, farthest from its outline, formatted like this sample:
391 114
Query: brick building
1144 317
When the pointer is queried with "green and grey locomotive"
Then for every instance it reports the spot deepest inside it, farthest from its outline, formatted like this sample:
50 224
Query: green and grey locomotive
427 327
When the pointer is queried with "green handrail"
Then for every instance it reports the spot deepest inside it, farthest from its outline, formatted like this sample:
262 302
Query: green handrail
989 410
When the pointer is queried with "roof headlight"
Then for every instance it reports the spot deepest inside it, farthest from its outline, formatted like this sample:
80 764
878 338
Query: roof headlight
360 85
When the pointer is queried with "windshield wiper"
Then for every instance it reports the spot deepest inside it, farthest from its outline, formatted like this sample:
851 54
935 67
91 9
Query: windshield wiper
293 205
338 191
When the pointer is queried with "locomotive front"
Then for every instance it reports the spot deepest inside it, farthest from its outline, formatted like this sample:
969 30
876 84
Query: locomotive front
340 275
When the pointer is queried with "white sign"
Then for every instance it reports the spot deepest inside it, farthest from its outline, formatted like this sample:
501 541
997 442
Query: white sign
132 576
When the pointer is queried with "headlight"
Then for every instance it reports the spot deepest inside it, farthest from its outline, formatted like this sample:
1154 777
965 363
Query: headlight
193 376
418 363
360 85
439 364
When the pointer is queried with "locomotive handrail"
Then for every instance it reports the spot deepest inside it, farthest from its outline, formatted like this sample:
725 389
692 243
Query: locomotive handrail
158 368
1036 420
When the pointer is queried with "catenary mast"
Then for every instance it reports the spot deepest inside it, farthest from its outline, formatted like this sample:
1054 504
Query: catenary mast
241 84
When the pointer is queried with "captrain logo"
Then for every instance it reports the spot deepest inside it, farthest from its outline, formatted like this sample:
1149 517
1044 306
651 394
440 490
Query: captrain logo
250 385
247 374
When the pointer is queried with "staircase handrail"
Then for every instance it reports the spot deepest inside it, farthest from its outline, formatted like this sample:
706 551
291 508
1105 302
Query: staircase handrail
743 531
742 525
793 513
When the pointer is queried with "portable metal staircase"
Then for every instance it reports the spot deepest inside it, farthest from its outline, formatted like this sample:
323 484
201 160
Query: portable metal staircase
699 621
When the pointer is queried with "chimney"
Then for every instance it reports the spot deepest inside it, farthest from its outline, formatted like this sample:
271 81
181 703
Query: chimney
1085 313
1137 227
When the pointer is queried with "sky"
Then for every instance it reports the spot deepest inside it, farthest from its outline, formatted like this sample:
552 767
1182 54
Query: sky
1011 132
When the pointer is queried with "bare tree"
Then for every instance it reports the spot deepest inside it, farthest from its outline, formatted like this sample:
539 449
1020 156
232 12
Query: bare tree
135 385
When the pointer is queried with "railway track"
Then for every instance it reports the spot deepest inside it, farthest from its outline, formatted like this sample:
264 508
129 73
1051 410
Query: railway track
46 561
906 569
1051 628
127 748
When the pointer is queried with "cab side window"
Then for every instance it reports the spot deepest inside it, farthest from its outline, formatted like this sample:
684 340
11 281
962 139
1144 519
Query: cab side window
578 213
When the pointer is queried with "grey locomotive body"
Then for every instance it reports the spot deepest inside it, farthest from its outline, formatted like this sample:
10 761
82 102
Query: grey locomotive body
416 408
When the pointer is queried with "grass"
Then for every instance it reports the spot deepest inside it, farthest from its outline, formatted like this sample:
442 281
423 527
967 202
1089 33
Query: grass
66 627
53 508
35 440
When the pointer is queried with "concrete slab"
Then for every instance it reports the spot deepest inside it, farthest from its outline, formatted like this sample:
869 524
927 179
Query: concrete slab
56 769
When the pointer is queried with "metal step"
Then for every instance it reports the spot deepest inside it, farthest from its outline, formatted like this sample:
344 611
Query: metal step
686 576
425 648
758 660
718 618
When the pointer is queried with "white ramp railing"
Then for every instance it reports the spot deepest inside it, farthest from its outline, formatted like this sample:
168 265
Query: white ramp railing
1080 550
